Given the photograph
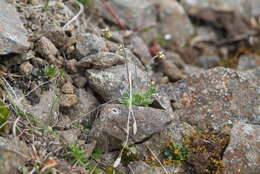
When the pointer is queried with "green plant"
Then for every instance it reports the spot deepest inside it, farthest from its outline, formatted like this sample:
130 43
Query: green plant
85 2
4 113
175 151
51 71
139 99
78 156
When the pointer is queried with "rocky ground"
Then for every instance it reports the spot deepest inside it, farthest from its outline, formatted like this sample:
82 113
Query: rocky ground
130 87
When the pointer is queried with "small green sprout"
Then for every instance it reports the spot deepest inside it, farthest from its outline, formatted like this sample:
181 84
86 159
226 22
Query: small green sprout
139 99
175 151
51 71
78 156
85 2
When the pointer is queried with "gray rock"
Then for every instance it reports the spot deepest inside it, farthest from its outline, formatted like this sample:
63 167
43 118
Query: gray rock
132 13
175 23
13 154
142 167
243 152
13 36
245 7
46 111
101 60
141 50
89 44
109 129
70 136
208 61
213 98
248 62
112 83
86 103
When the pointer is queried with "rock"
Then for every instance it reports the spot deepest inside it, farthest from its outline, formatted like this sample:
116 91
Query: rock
89 44
13 36
141 50
26 68
208 61
243 152
248 8
248 62
132 13
112 82
142 167
101 60
175 25
67 88
89 148
224 14
70 136
71 66
46 111
108 129
171 70
86 103
68 100
48 51
62 39
79 81
213 98
13 154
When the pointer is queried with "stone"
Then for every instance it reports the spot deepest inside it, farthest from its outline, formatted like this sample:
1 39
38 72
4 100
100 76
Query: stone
85 106
248 8
171 70
101 60
141 50
111 83
70 136
248 62
13 154
208 61
89 44
79 81
175 25
67 88
142 167
132 13
13 36
109 129
48 51
68 100
26 68
71 66
46 111
212 98
243 152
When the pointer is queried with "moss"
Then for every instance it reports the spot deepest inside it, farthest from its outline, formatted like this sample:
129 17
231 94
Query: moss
206 148
129 155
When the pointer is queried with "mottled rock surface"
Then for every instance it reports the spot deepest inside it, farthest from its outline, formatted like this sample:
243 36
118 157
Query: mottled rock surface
213 98
243 152
13 36
111 83
13 154
108 129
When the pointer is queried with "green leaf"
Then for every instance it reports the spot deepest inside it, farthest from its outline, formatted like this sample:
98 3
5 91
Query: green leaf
50 71
4 113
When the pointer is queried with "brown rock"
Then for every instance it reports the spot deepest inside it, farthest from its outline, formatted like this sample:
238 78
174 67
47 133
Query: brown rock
26 68
67 88
71 66
68 100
